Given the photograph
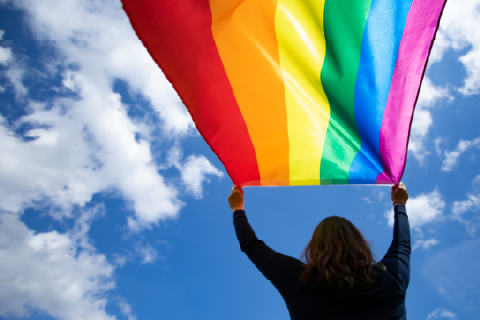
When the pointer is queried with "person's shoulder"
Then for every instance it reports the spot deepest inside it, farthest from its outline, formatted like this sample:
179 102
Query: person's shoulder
388 280
291 261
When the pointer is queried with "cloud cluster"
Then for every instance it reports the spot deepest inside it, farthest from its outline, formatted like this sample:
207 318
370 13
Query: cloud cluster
5 55
451 157
147 253
424 244
458 30
58 273
88 143
460 20
79 141
422 120
472 203
194 171
81 147
97 37
425 208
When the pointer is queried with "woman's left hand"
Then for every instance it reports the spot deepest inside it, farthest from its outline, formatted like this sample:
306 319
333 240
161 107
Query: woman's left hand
235 200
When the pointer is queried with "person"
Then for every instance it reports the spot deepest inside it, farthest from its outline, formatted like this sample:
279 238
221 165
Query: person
337 277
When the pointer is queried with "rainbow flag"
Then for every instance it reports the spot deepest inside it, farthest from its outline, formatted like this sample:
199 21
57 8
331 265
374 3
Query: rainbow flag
296 92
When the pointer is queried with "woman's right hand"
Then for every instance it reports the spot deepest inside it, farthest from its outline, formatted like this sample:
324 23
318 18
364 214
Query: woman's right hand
399 194
235 200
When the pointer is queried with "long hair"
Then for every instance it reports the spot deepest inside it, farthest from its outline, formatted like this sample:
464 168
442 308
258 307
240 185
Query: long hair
339 256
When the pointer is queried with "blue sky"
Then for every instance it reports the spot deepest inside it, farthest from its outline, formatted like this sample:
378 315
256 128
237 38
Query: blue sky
113 207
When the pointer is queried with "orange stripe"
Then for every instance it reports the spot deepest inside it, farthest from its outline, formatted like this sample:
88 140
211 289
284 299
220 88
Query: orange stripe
244 31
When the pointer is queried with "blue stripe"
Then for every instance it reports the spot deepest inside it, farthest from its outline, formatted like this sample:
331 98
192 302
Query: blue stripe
381 40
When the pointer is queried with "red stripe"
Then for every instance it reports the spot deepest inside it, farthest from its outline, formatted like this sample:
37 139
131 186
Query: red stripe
178 36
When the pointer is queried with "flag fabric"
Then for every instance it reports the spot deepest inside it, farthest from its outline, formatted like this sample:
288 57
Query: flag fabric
296 92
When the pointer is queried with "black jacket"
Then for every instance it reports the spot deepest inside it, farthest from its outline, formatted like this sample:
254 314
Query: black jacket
385 301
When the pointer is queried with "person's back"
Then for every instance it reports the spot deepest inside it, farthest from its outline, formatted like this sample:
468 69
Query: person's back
339 279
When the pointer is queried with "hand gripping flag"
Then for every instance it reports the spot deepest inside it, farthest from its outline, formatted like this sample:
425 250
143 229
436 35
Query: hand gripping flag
296 92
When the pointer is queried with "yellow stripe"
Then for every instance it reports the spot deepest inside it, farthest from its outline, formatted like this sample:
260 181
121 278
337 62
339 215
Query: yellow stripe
301 42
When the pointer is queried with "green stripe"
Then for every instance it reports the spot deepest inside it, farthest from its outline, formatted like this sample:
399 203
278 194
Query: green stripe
344 22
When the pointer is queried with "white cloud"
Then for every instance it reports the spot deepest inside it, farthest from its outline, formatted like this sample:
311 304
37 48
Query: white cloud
15 71
127 310
429 94
438 145
5 55
441 313
458 30
88 144
83 146
460 207
97 36
78 147
422 209
119 259
425 244
147 253
58 273
367 199
460 20
451 157
15 74
194 172
472 203
422 120
440 45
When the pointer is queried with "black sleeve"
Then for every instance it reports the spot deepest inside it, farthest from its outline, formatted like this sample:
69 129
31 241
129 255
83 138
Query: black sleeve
397 259
280 269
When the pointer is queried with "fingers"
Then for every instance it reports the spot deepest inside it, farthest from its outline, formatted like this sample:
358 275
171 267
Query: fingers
236 189
400 185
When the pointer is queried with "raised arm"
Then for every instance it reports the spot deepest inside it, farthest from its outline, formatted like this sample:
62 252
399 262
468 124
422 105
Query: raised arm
397 259
278 268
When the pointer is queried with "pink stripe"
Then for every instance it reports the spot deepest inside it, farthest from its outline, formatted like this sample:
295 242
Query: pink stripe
422 23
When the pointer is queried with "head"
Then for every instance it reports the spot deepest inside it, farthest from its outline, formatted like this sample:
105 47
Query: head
338 256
